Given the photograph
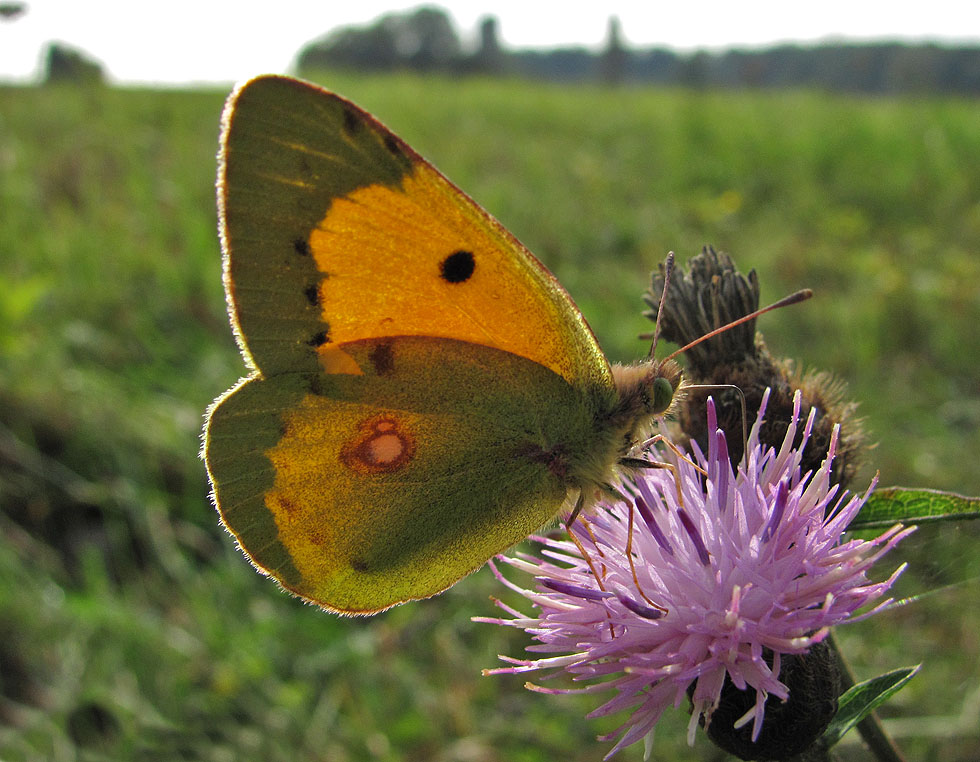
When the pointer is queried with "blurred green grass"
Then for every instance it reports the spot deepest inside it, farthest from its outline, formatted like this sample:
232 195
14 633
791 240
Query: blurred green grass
130 626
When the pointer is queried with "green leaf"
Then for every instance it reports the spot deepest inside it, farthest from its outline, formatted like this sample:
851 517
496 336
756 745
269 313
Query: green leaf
862 699
914 506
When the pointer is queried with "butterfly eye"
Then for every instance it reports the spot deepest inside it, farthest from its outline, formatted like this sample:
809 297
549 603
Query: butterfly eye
663 393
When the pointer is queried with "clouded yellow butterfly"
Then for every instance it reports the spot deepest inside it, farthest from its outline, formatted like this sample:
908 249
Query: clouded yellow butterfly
422 393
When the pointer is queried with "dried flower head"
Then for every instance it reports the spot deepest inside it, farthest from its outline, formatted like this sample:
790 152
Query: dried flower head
707 575
710 294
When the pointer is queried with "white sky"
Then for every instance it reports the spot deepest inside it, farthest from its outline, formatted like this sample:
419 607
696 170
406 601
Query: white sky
181 41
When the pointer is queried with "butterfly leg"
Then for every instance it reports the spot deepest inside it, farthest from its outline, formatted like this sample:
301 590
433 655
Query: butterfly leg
630 462
629 557
640 463
579 505
587 557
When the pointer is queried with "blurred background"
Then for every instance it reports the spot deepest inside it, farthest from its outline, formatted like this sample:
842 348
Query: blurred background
835 151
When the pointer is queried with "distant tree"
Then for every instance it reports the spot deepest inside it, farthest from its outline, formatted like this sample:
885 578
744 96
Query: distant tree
695 70
422 39
613 61
657 65
559 64
10 11
489 57
960 71
427 40
369 48
66 64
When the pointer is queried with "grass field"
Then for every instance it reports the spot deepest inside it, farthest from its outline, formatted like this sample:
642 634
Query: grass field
130 627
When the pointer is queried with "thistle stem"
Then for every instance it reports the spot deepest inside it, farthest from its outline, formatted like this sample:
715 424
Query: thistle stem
871 730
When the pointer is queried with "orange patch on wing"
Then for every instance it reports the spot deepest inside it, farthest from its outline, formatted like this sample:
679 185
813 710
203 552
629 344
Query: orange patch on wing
416 261
382 445
335 360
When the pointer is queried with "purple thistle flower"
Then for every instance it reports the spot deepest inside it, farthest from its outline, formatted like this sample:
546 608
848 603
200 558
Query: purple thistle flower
748 565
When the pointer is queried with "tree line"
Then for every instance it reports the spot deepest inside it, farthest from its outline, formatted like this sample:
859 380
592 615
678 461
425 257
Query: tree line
425 39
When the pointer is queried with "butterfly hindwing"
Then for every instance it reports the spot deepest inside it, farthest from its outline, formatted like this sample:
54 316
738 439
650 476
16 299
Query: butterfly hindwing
365 490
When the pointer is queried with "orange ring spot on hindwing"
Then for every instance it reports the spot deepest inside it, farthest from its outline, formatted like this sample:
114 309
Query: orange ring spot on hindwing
381 445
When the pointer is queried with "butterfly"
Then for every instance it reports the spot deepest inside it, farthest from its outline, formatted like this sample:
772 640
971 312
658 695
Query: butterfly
422 393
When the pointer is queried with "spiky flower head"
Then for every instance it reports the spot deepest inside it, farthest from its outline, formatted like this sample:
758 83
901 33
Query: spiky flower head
710 294
705 576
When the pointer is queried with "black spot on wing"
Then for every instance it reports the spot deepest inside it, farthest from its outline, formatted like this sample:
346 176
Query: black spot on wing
318 339
302 247
457 267
393 146
382 359
352 123
312 294
318 385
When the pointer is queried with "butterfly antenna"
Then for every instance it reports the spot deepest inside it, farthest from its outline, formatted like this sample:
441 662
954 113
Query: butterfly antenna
795 298
668 269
